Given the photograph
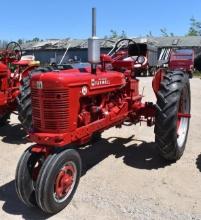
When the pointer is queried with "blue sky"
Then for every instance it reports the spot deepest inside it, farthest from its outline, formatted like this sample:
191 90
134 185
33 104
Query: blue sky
62 18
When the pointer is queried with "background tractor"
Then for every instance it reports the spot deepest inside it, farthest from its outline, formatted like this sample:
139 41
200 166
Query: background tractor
71 107
13 68
178 59
150 54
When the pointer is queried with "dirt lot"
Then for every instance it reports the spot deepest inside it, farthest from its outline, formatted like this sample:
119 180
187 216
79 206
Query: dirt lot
123 177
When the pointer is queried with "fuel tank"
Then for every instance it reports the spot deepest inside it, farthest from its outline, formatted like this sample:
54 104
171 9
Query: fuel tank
56 96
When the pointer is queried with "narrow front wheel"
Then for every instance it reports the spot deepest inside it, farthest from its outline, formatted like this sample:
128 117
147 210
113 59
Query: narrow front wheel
26 174
58 181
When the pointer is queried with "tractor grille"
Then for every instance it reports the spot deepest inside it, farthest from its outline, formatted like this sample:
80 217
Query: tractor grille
50 109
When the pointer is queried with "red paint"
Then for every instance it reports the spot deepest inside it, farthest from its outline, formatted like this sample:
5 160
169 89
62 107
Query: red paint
11 82
158 77
69 106
183 115
181 59
64 181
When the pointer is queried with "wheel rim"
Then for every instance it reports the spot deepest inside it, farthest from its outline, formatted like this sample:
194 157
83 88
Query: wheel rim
65 182
183 117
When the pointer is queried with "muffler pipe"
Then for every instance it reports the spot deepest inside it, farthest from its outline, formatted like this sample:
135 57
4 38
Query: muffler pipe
93 45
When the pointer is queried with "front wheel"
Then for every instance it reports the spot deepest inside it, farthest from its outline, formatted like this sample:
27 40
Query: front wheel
58 181
26 174
172 115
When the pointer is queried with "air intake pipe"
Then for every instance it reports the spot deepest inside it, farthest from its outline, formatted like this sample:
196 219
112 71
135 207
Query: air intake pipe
93 45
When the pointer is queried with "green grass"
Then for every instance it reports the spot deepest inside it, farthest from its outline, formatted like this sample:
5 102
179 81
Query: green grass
197 74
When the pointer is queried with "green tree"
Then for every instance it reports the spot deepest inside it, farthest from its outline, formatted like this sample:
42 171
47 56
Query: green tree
123 34
165 33
149 34
113 34
195 28
35 39
20 41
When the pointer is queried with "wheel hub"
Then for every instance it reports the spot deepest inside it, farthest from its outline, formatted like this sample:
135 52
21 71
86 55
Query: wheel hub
64 182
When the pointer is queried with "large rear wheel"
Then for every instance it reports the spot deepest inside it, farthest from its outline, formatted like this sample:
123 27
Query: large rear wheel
173 115
24 104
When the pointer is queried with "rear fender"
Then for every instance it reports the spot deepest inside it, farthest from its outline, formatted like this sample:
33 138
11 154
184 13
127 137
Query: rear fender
158 77
26 72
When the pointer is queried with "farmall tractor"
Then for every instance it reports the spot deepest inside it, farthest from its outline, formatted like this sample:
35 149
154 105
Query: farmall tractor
69 108
13 69
150 58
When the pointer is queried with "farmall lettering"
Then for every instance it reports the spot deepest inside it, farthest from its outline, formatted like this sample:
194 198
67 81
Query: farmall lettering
100 82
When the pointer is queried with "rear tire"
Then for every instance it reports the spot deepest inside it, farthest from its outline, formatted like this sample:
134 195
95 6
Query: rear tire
24 104
171 129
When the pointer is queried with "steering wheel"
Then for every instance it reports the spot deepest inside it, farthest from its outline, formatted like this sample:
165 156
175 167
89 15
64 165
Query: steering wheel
133 52
121 44
13 51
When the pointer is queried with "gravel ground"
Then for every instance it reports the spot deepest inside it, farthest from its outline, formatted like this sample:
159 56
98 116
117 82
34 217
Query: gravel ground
123 176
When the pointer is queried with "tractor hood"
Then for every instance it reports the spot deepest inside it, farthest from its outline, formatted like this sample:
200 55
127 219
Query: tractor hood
107 81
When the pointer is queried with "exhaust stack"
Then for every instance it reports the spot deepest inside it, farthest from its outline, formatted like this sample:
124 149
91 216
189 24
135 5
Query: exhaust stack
93 45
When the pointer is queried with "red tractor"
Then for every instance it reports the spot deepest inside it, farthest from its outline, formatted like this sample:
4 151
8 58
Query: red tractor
12 71
69 108
150 57
178 59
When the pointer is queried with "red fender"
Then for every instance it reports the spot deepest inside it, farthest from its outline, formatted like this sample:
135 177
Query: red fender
158 77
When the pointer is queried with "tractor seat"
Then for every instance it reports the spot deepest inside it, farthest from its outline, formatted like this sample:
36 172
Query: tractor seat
136 65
